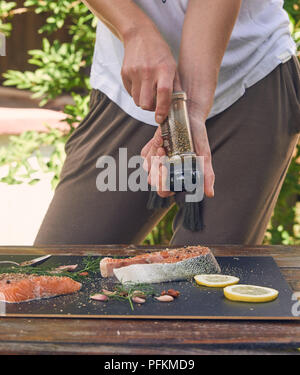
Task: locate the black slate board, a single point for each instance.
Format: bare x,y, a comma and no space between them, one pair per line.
195,302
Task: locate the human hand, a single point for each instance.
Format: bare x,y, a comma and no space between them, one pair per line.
202,148
157,172
153,154
148,71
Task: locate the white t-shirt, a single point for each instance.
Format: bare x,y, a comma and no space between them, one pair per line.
259,42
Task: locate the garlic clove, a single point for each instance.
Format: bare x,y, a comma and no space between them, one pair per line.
138,300
108,292
174,293
165,298
138,293
99,297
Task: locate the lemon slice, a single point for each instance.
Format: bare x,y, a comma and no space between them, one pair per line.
250,293
217,280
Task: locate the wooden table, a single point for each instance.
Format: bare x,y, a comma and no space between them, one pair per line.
169,337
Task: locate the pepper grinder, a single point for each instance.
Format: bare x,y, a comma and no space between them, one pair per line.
178,144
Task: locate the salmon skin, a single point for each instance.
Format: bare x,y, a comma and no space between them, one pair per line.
161,266
21,287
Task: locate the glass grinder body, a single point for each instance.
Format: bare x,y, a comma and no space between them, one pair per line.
178,144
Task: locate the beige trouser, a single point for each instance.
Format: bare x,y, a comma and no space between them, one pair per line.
251,143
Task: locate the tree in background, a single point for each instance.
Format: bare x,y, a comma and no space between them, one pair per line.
62,68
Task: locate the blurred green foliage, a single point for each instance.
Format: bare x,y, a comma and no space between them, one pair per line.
285,222
60,68
6,13
63,68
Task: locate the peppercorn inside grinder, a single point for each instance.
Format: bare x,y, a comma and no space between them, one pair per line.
181,160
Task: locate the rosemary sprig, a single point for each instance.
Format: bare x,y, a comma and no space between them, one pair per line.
125,292
90,265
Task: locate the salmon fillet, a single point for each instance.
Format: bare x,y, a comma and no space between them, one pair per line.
160,266
21,287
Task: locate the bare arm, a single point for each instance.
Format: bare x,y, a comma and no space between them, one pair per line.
149,68
207,27
122,17
206,31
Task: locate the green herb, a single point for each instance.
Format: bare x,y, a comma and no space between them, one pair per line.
89,264
125,292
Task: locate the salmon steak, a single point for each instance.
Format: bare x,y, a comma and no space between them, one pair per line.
161,266
21,287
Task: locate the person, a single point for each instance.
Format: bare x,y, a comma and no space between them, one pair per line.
236,62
